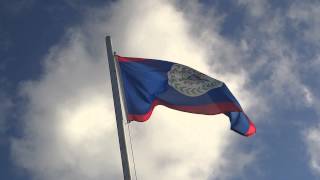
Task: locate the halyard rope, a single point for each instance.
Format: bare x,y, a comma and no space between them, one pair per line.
134,164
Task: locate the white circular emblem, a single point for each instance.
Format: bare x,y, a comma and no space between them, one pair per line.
190,82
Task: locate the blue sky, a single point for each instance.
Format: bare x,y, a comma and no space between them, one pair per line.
53,79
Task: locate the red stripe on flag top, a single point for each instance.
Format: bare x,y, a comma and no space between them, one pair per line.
127,59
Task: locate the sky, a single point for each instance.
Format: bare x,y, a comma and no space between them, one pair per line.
56,112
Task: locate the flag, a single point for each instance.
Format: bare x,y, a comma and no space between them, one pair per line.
148,83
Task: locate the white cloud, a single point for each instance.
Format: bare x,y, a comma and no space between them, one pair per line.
256,8
313,145
304,16
240,161
271,57
69,125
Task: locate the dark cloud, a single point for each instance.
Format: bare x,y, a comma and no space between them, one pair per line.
16,7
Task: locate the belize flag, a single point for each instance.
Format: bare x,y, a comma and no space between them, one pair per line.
148,83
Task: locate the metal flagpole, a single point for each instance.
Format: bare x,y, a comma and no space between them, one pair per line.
118,111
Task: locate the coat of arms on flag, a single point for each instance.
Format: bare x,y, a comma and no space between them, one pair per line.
189,81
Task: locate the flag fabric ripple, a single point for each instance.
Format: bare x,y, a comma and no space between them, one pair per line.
148,83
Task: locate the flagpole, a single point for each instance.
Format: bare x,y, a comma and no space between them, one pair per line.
118,110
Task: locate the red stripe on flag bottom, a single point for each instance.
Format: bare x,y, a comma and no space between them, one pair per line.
209,109
252,129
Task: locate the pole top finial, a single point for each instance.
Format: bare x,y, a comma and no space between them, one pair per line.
108,36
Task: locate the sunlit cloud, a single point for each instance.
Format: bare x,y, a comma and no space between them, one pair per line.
70,129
